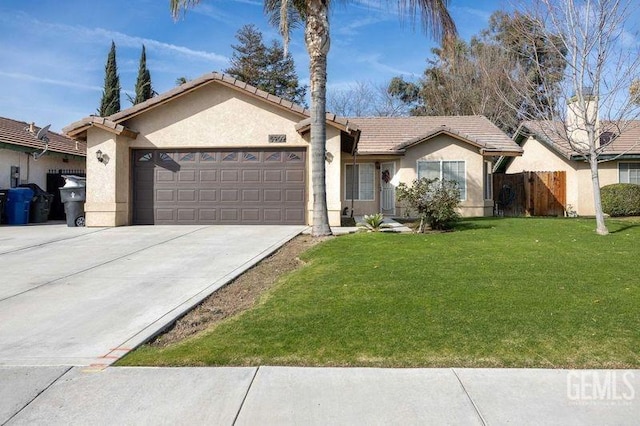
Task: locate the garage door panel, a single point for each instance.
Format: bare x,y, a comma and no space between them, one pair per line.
229,195
208,176
187,176
165,195
272,215
208,195
207,215
186,215
229,215
165,176
249,195
293,215
273,195
187,195
250,176
294,195
165,214
273,176
294,176
219,187
229,175
251,215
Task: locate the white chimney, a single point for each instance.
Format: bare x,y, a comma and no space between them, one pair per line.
582,112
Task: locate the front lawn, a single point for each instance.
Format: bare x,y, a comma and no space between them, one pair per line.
496,293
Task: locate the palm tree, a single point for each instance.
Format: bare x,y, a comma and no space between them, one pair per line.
314,14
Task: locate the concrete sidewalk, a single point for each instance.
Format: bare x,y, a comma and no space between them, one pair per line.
318,396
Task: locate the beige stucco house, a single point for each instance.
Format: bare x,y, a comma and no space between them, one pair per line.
216,150
26,159
546,151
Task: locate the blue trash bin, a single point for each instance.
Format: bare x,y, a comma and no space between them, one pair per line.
18,203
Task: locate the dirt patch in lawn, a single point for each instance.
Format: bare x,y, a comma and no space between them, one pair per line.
240,294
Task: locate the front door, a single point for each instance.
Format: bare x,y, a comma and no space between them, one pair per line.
387,189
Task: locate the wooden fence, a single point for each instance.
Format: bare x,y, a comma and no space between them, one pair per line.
530,193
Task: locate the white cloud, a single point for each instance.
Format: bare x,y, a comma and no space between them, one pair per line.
44,80
354,25
373,60
79,32
482,14
133,41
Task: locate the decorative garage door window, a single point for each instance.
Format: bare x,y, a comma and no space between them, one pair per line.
207,156
231,156
274,156
220,187
294,157
250,156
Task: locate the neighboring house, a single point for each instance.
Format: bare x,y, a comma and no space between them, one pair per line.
546,151
216,150
21,161
400,149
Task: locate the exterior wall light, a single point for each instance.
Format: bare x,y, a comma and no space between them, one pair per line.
100,156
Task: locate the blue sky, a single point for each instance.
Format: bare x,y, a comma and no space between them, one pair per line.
53,52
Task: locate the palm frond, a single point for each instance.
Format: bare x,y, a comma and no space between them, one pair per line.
434,17
180,6
286,15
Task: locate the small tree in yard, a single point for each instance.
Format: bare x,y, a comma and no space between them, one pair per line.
593,101
433,200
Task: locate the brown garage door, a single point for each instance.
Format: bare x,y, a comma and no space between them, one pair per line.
219,186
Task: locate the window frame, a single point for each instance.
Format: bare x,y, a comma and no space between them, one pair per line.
636,165
359,190
463,195
487,176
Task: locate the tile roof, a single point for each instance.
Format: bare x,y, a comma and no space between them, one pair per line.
627,140
13,132
395,134
79,126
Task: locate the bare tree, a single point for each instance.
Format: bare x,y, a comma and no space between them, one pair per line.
593,102
365,99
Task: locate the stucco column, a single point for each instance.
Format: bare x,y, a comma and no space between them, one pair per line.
107,181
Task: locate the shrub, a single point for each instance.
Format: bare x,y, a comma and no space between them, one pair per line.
373,222
621,199
435,202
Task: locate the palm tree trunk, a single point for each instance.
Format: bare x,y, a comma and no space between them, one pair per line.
317,41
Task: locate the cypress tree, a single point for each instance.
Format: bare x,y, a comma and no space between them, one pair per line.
144,90
110,103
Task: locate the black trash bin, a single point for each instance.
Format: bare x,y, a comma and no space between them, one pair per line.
40,204
73,195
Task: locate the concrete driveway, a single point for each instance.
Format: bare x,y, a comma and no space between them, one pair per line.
86,296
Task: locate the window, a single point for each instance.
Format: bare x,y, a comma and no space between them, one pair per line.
445,170
488,181
359,185
629,173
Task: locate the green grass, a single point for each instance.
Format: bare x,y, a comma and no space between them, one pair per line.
496,293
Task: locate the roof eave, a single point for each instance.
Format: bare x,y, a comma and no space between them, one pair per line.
79,129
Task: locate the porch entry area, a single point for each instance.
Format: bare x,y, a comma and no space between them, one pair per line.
387,189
